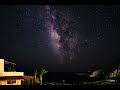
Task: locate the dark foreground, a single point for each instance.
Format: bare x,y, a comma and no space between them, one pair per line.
70,78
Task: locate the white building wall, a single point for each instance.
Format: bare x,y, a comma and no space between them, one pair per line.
1,66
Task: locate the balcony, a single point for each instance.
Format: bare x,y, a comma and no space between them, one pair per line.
13,74
9,66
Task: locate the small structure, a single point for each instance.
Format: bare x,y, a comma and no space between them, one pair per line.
8,75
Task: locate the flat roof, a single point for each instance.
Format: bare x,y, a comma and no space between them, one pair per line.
15,77
8,62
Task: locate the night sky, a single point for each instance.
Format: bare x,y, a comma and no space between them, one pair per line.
60,38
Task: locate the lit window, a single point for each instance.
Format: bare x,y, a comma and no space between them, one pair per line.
8,82
11,82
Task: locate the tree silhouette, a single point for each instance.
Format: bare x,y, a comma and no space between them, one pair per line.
35,75
115,73
42,72
36,80
96,73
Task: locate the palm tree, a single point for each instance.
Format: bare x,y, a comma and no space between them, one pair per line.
35,75
115,73
118,72
96,73
42,72
36,80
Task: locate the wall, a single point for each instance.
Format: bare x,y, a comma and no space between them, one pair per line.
1,66
2,73
18,82
13,74
0,82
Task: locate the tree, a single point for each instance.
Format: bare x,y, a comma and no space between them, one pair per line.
35,75
96,73
115,73
36,80
42,72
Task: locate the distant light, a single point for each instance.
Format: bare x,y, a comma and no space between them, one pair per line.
110,80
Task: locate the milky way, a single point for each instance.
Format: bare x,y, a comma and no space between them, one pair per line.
67,31
81,37
63,39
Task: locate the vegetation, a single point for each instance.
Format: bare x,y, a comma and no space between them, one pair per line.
27,82
95,83
97,73
57,83
42,72
115,73
35,80
35,75
81,83
38,78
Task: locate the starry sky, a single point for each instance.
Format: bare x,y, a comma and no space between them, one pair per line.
60,38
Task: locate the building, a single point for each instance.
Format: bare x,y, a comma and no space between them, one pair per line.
8,75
